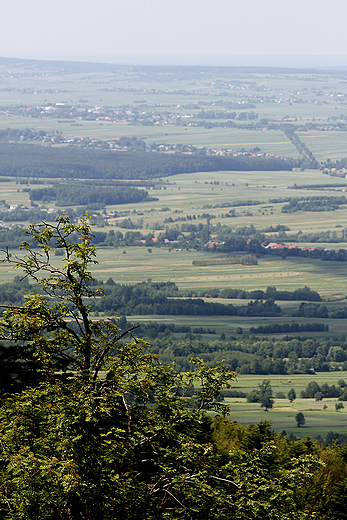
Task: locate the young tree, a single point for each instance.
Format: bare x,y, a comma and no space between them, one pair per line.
59,326
291,395
265,392
300,419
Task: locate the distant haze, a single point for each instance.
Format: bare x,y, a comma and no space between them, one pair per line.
294,33
290,61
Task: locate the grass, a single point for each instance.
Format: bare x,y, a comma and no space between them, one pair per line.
137,265
323,144
282,415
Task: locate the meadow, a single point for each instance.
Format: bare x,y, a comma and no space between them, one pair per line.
319,421
137,265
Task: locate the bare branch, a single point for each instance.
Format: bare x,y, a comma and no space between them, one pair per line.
224,480
176,499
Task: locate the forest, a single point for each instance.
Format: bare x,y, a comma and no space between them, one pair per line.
87,195
23,160
245,354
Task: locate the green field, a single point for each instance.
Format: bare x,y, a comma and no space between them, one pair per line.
137,265
321,143
282,415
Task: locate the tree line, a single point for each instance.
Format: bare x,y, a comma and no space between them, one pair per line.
254,355
280,328
317,203
165,298
318,392
140,299
303,293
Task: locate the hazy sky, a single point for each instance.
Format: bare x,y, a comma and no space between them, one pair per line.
315,27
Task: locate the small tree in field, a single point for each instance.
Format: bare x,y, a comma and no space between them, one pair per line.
291,395
300,419
265,392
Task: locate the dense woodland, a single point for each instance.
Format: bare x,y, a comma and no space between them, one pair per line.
87,195
73,162
164,298
252,355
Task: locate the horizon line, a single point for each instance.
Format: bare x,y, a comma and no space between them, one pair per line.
170,59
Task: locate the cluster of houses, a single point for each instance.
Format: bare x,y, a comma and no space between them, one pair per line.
274,245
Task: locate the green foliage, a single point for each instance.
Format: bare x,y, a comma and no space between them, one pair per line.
265,394
311,310
249,260
300,419
150,298
303,293
264,459
269,489
124,447
314,390
47,324
291,395
253,397
117,438
85,194
314,204
78,163
277,328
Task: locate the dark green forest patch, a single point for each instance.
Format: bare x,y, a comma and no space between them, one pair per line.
65,194
72,162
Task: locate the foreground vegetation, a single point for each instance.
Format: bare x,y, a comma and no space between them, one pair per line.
104,430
